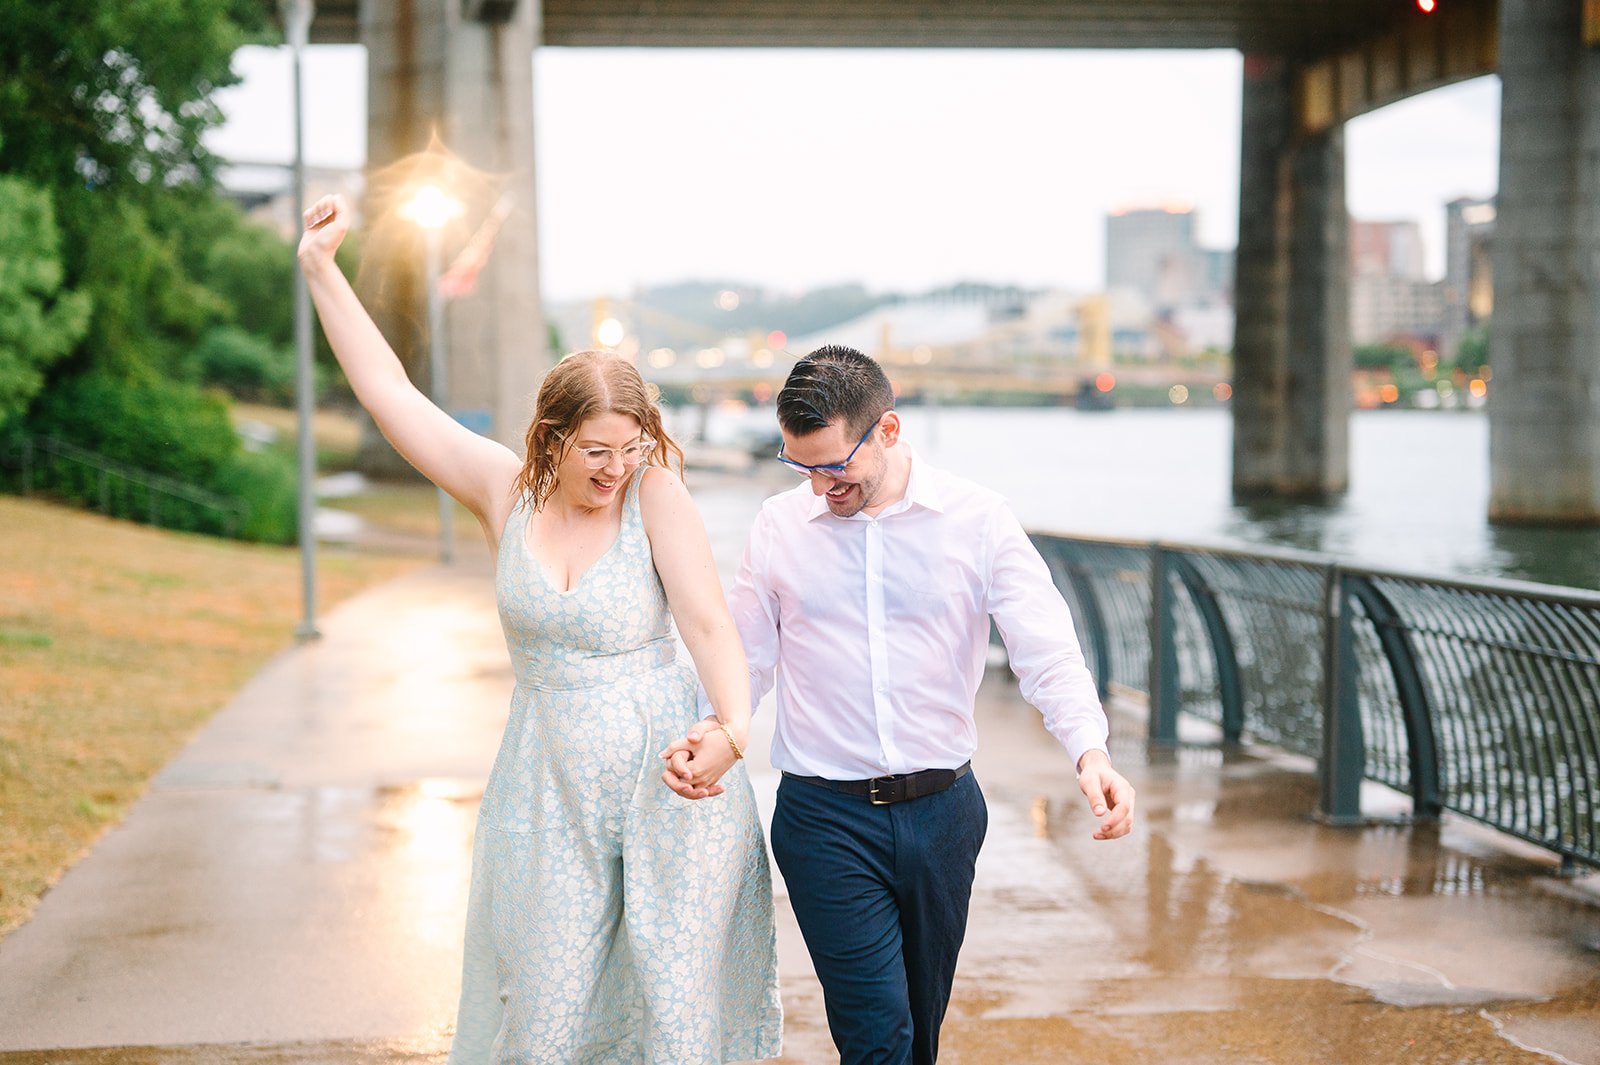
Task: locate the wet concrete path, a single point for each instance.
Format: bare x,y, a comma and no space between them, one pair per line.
292,890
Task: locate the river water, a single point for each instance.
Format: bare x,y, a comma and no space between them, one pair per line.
1419,486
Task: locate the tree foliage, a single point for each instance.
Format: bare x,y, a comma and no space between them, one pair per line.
40,321
1395,358
116,94
103,104
135,280
1472,354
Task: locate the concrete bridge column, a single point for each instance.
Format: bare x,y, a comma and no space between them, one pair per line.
1544,401
462,71
1291,389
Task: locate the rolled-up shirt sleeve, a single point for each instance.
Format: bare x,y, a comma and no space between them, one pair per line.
1036,625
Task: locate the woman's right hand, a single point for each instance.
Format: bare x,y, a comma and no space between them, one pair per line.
327,221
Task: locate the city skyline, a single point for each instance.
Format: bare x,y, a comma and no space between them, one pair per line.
901,170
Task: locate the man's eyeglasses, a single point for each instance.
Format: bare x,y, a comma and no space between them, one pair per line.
598,458
830,469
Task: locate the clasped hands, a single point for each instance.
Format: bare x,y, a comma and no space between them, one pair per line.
697,761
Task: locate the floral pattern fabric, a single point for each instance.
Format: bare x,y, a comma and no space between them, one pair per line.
610,922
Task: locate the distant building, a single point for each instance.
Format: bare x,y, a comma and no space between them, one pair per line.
1152,251
1169,296
1390,249
265,191
1217,273
1390,296
1384,307
1468,287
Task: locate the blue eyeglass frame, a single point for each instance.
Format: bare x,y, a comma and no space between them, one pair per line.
829,468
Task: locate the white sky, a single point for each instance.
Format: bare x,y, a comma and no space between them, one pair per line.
901,169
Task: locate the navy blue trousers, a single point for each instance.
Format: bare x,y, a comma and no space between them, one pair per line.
881,894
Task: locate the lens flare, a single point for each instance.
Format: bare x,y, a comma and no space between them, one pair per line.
434,188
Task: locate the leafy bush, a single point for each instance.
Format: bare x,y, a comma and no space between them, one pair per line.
252,269
266,480
157,425
246,366
173,430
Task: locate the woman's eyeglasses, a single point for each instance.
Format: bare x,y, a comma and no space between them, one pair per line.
598,458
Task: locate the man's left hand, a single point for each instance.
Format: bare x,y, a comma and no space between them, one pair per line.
1109,793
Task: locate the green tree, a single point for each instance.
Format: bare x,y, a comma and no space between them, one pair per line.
149,312
103,103
1392,357
40,321
116,94
1472,354
252,269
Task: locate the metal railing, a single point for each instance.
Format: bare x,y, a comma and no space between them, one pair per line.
115,489
1474,696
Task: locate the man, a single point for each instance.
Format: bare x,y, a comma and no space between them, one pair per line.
867,601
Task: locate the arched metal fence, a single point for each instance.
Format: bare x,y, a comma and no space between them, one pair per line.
1478,697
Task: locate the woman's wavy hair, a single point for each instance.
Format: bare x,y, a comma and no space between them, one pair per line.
579,387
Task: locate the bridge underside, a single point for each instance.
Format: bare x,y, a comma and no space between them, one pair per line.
462,67
1299,29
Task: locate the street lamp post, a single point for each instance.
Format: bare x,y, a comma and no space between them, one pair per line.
296,16
430,207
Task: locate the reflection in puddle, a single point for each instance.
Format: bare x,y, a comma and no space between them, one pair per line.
1039,813
434,821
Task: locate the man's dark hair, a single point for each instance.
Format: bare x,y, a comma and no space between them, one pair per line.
831,383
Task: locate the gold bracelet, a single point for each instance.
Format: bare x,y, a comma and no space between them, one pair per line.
728,732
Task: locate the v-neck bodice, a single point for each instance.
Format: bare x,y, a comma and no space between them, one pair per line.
612,623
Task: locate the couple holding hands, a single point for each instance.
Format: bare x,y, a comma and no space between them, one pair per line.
621,904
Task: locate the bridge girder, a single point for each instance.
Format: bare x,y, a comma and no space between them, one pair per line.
1303,30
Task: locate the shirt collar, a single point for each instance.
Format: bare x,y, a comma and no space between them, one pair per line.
922,490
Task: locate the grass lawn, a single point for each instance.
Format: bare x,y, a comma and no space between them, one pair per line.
410,508
117,641
335,434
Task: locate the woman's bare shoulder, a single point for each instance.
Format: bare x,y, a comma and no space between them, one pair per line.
663,497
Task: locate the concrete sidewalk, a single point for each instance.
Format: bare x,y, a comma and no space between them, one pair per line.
292,889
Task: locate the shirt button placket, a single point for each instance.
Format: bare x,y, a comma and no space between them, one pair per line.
878,647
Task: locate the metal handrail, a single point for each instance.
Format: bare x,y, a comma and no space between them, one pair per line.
23,450
1477,696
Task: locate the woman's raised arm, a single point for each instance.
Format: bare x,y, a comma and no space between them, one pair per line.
474,469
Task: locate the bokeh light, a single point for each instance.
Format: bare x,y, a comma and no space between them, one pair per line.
609,333
431,207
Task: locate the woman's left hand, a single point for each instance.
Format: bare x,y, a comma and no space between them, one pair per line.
696,762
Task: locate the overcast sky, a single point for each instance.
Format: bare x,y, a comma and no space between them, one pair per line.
901,169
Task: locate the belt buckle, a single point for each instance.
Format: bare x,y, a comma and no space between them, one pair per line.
872,790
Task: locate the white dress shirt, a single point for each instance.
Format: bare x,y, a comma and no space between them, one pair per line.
876,629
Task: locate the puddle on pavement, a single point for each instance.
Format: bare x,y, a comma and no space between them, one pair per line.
1234,928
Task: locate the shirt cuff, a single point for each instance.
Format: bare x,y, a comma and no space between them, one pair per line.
1077,751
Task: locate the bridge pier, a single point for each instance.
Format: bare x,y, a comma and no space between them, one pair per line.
1544,401
463,71
1291,389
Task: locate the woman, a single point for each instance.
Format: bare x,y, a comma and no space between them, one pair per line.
610,920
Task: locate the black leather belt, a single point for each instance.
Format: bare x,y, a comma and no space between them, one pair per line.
881,791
